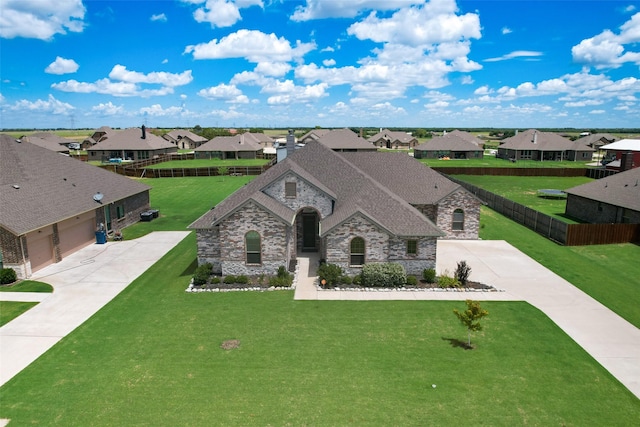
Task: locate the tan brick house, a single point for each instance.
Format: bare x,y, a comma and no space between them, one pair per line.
350,207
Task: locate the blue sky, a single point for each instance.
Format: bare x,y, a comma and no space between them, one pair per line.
329,63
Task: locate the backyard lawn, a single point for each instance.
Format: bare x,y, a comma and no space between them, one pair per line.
208,163
493,162
524,190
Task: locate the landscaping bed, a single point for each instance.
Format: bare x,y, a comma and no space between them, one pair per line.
421,285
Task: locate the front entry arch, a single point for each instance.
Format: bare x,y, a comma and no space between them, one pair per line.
307,230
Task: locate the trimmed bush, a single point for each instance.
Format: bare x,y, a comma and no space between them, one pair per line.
8,275
345,280
462,272
230,279
412,280
330,273
386,275
447,281
202,273
242,279
215,280
429,275
357,280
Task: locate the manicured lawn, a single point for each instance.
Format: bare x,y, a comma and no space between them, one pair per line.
208,163
183,200
524,190
27,286
152,357
9,310
608,273
492,161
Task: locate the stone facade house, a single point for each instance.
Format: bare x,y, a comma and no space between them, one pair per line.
130,144
49,208
184,139
614,199
393,140
453,145
543,146
350,207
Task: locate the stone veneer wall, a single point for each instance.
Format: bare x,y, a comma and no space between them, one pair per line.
12,256
414,264
208,244
460,199
274,238
338,243
307,195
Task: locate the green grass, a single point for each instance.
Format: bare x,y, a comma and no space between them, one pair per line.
208,163
524,190
493,162
608,273
183,200
9,310
152,357
27,286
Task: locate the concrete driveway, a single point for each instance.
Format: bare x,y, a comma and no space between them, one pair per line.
607,337
83,283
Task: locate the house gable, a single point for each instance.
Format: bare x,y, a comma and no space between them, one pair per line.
306,194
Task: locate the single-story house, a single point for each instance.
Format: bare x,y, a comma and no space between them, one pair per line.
345,140
452,145
393,139
622,155
260,138
614,199
52,205
313,136
352,208
98,135
130,144
230,147
597,140
184,139
49,141
543,146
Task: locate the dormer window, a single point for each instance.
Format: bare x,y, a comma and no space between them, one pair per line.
290,190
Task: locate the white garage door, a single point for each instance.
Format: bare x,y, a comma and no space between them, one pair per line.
40,248
76,233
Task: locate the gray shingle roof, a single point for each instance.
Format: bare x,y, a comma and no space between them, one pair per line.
597,139
131,139
621,189
354,186
52,187
49,144
345,139
533,139
450,142
392,136
230,144
177,134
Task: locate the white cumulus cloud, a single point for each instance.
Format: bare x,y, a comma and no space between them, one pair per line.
108,109
320,9
161,17
62,66
221,13
228,93
50,105
40,19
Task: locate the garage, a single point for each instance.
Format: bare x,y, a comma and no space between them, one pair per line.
76,233
40,248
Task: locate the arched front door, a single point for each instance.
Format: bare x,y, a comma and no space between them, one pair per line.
308,229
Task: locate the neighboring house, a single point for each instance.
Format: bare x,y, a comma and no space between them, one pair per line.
345,140
453,145
622,155
98,135
260,138
313,136
543,146
230,147
184,139
48,210
393,139
49,141
597,140
351,208
614,199
130,144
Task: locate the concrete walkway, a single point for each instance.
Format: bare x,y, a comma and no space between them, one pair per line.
83,283
608,338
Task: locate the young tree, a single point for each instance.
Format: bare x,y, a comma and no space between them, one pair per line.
471,317
222,171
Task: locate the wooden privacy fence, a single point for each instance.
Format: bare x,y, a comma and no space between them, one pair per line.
552,228
562,172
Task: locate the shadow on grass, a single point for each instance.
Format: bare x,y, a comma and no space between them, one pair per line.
191,268
458,343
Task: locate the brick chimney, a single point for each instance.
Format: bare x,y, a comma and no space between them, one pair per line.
291,142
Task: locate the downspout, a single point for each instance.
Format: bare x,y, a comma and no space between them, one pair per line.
24,259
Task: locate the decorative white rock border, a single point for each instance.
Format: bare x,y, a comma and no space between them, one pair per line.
194,289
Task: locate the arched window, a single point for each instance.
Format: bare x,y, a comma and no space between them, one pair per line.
357,251
253,248
458,220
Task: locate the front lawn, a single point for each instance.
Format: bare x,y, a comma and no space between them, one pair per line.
524,190
208,163
9,310
153,356
27,286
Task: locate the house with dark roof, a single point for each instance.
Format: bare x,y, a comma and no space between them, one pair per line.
614,199
622,155
184,139
130,144
98,135
345,140
452,145
313,136
52,205
352,208
597,140
241,146
393,140
543,146
49,141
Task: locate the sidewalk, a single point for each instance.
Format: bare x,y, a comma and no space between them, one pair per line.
608,338
83,283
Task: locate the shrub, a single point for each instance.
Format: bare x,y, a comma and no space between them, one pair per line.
281,282
330,273
387,275
282,272
412,280
230,279
462,272
215,280
447,281
8,275
357,280
242,279
202,273
429,275
345,280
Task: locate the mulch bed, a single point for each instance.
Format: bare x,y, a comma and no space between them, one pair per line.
420,285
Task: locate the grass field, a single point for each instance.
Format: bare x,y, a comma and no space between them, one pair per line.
493,162
9,310
524,190
152,357
208,163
